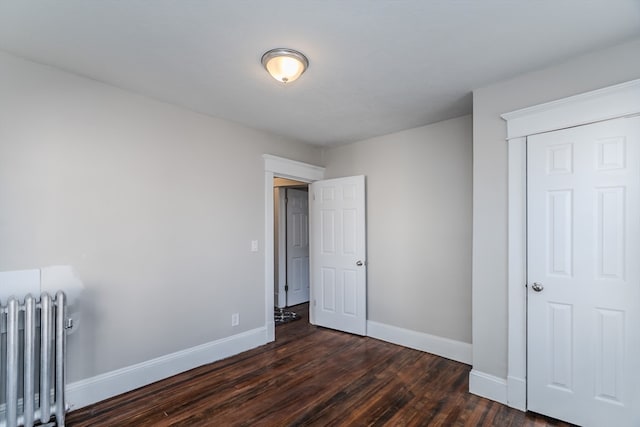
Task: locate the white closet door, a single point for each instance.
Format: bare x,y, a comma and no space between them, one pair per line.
583,203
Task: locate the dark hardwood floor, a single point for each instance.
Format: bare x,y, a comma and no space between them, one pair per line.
312,376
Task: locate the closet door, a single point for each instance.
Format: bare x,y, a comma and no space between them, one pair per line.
583,234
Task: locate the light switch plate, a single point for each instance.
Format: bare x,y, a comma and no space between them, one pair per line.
254,246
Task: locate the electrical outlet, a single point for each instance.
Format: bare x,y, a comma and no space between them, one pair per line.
235,319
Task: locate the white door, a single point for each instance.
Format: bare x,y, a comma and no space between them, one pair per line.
297,287
338,254
583,202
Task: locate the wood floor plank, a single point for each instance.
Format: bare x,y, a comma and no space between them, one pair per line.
312,376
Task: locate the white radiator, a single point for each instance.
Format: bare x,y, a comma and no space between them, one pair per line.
32,349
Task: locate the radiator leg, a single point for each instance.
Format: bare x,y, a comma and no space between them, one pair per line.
45,357
61,338
12,363
29,358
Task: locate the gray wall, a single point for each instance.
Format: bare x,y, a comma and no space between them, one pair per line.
418,225
134,194
578,75
131,193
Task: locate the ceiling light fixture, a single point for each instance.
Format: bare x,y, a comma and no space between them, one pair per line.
285,65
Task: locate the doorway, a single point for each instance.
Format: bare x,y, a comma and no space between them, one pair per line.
284,168
291,242
337,252
323,228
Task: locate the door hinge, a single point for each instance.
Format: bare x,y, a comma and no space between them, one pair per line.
286,288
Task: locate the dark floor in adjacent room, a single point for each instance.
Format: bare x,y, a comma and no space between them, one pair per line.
311,376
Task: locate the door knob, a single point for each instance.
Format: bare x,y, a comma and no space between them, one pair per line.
359,263
537,286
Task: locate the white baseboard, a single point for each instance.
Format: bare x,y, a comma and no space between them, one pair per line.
271,330
488,386
451,349
91,390
517,393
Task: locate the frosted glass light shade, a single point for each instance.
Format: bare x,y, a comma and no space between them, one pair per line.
285,65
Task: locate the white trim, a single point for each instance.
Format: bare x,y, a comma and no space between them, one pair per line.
620,100
91,390
269,269
451,349
285,168
517,267
292,169
603,104
517,393
489,386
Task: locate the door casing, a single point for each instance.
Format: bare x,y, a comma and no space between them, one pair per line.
603,104
284,168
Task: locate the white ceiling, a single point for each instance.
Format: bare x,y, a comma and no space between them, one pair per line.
375,66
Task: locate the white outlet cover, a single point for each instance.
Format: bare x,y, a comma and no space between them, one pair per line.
254,246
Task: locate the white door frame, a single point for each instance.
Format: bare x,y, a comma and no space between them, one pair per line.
284,168
602,104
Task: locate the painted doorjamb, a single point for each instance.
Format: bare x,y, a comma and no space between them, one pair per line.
284,168
598,105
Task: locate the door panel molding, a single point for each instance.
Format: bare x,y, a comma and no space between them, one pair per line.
602,104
